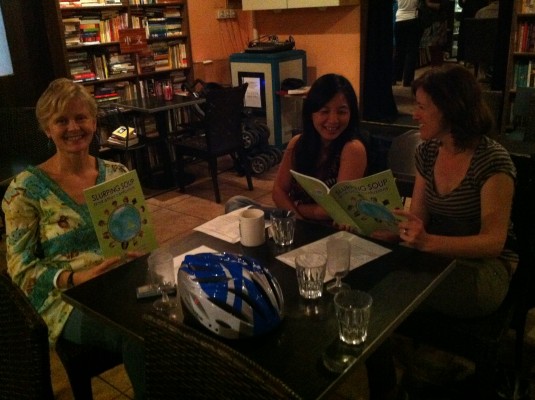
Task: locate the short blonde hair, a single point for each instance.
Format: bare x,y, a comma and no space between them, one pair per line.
57,95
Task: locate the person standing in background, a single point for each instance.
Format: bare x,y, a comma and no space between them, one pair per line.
407,34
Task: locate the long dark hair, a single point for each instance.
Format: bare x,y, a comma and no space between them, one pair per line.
456,93
308,148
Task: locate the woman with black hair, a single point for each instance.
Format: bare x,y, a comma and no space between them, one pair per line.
330,148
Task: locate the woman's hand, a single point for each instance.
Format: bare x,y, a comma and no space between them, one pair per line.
109,263
411,229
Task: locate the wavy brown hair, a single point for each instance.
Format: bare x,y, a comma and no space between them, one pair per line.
456,93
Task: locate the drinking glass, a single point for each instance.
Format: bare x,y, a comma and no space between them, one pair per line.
310,270
338,258
162,275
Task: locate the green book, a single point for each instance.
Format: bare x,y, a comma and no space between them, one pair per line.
120,216
365,204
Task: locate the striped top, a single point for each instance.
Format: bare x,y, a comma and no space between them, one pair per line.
458,213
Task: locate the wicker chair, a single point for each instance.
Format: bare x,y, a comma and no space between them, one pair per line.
24,353
181,361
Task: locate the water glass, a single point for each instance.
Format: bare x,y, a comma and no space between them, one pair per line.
353,314
310,269
162,275
282,227
338,260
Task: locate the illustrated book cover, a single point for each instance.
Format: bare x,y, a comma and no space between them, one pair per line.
365,204
120,216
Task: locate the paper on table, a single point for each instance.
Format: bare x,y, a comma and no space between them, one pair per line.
362,251
225,227
177,261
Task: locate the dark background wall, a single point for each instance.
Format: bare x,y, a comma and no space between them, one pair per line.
35,62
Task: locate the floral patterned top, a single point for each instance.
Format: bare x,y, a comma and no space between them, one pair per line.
48,232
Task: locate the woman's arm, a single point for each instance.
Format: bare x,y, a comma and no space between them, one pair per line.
283,179
22,229
496,201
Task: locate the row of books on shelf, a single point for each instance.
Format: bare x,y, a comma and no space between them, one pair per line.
169,55
87,3
95,27
524,73
109,62
159,22
102,26
110,92
87,66
525,39
143,2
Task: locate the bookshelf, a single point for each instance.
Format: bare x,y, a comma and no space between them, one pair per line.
99,39
123,50
521,62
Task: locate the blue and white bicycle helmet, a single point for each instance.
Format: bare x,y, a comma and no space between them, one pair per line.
231,295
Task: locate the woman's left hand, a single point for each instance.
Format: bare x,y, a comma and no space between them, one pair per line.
411,229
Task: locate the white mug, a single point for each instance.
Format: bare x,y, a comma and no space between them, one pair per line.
252,227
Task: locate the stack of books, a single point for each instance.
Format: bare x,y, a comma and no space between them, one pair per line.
122,136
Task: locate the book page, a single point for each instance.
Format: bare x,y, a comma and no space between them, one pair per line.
362,251
320,193
370,201
120,216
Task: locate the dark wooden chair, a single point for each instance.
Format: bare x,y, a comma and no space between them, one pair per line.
24,352
480,38
479,339
218,134
182,361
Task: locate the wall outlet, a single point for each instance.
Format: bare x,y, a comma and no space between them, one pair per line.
225,13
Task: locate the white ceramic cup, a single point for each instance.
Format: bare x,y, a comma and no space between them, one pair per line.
252,227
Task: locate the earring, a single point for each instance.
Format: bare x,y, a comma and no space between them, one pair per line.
49,144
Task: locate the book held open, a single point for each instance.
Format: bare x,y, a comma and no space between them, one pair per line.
365,204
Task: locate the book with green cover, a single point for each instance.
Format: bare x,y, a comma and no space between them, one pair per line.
365,204
120,216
